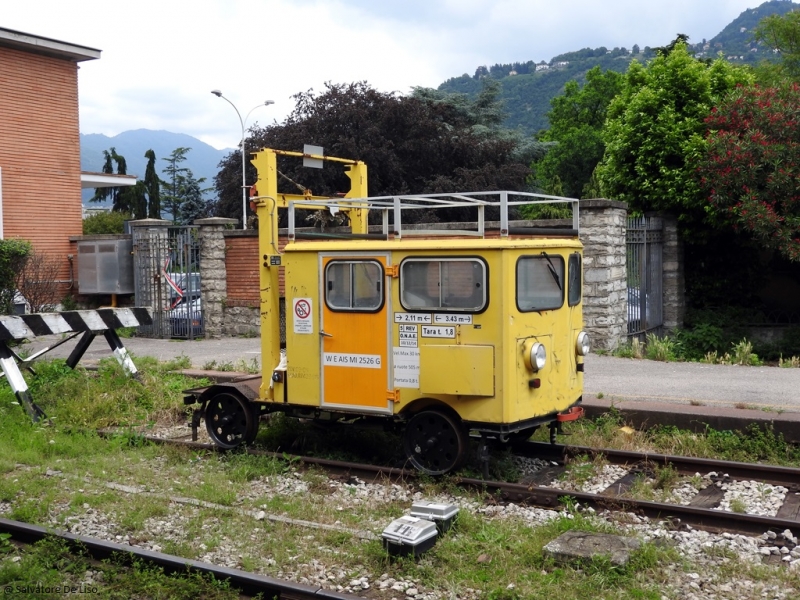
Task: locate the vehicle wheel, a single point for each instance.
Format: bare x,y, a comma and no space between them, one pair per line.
435,442
231,421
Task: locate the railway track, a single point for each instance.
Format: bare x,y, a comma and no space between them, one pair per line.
542,487
248,584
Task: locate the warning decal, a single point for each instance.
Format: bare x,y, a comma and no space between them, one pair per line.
301,313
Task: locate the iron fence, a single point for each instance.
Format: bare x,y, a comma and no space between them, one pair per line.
167,278
644,248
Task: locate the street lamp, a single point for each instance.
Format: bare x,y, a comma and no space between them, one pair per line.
242,122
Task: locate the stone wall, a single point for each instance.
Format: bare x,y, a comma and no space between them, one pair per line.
605,305
213,276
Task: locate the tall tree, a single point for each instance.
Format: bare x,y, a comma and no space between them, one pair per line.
781,33
173,184
424,142
123,198
192,205
152,185
655,130
576,125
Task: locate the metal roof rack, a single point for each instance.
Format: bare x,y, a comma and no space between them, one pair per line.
395,205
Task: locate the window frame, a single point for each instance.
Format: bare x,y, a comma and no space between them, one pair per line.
354,309
441,259
543,257
576,255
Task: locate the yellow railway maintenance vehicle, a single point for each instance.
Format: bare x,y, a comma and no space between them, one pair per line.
440,333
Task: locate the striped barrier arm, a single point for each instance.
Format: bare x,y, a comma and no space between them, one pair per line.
87,323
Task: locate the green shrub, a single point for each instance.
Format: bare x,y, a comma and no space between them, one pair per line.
664,349
105,222
14,254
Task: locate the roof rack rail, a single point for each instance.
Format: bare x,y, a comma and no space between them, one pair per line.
394,206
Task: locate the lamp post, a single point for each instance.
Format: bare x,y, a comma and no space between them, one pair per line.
242,122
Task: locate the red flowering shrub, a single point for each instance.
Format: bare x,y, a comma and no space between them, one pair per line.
751,171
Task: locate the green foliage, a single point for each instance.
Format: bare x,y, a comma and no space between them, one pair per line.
756,443
663,349
105,222
751,171
654,132
152,184
14,254
782,33
179,188
427,142
576,123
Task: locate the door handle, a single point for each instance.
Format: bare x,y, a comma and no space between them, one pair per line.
323,334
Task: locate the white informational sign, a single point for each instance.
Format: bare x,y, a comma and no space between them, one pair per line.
450,319
301,315
412,318
344,359
406,367
438,332
408,336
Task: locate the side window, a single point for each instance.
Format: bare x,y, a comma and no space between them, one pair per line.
540,282
574,283
354,285
457,284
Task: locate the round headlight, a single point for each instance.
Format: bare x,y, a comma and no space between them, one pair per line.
538,356
582,345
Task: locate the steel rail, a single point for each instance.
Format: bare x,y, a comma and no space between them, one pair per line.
701,518
776,475
251,584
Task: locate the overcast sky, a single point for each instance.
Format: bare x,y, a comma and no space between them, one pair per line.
161,59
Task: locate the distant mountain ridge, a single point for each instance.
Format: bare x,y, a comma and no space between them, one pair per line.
528,87
203,159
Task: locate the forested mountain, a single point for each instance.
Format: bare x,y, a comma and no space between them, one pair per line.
528,87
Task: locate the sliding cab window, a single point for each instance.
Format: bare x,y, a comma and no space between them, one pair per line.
574,279
540,282
354,285
443,284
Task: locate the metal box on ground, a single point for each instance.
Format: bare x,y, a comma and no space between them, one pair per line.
442,514
409,536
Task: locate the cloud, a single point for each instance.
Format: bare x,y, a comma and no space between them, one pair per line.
161,59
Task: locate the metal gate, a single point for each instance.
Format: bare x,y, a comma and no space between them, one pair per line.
644,245
167,278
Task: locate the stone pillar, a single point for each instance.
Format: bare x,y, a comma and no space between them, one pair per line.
605,305
213,273
150,250
673,282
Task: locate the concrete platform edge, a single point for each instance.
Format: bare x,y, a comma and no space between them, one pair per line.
642,415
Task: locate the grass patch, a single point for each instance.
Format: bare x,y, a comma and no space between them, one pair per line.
52,567
52,475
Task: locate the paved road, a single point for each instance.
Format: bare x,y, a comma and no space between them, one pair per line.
619,379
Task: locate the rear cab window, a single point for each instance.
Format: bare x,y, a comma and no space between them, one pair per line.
354,285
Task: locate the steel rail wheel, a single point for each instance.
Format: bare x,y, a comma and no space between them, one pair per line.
435,442
230,420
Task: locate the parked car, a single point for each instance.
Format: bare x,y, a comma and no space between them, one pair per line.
186,318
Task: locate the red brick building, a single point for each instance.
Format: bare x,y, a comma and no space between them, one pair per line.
40,170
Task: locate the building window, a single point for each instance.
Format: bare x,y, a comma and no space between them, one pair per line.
354,285
446,284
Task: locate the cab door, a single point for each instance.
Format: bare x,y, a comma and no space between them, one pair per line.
355,332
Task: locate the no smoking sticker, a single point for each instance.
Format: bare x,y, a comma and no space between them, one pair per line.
301,313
